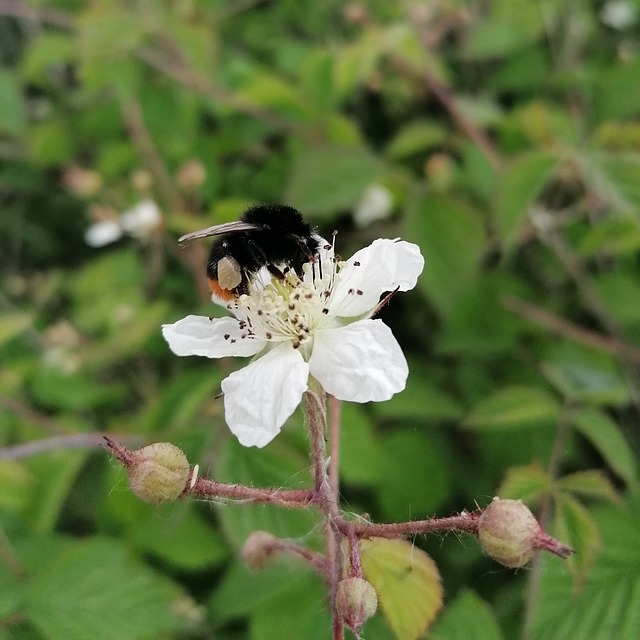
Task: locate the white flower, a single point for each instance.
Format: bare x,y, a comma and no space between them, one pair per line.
375,204
618,14
318,324
139,222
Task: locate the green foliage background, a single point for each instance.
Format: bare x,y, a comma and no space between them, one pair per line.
507,132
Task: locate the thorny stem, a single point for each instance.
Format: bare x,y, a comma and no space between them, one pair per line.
316,410
325,495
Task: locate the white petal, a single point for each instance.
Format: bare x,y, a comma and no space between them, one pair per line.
360,362
259,398
102,233
375,204
383,266
141,218
213,338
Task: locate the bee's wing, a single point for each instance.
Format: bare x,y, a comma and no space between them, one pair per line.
217,230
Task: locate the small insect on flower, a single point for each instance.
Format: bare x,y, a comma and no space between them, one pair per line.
270,235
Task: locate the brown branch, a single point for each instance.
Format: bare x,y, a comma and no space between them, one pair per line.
567,329
142,141
52,17
56,443
204,489
473,132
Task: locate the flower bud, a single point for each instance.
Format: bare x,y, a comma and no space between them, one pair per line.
509,532
191,175
259,549
356,602
158,473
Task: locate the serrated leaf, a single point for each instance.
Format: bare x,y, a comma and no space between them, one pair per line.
527,483
95,590
513,407
407,582
608,605
468,617
591,484
518,188
604,434
574,526
325,180
451,236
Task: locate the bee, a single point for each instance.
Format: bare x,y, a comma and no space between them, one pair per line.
275,236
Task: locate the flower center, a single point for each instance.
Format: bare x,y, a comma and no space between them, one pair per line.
289,309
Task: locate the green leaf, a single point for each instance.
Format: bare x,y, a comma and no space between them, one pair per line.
325,180
95,590
527,483
605,435
269,91
583,375
243,591
590,484
415,137
298,612
575,526
519,186
13,324
510,26
420,399
407,582
279,465
451,236
615,97
56,472
615,177
184,540
12,108
468,617
615,234
74,392
608,604
413,477
513,407
359,446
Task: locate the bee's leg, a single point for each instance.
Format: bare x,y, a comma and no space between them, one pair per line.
275,272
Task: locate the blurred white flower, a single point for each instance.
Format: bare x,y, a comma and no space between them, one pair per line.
618,14
139,221
375,204
318,324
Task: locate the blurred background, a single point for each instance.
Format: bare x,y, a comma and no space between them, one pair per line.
502,136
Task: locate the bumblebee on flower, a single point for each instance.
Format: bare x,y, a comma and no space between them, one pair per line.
311,318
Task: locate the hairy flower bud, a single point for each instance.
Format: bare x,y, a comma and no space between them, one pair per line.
509,532
158,473
356,602
259,549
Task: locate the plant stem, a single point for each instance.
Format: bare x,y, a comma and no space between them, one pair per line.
326,495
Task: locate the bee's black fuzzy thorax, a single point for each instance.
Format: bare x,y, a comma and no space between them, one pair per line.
281,238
